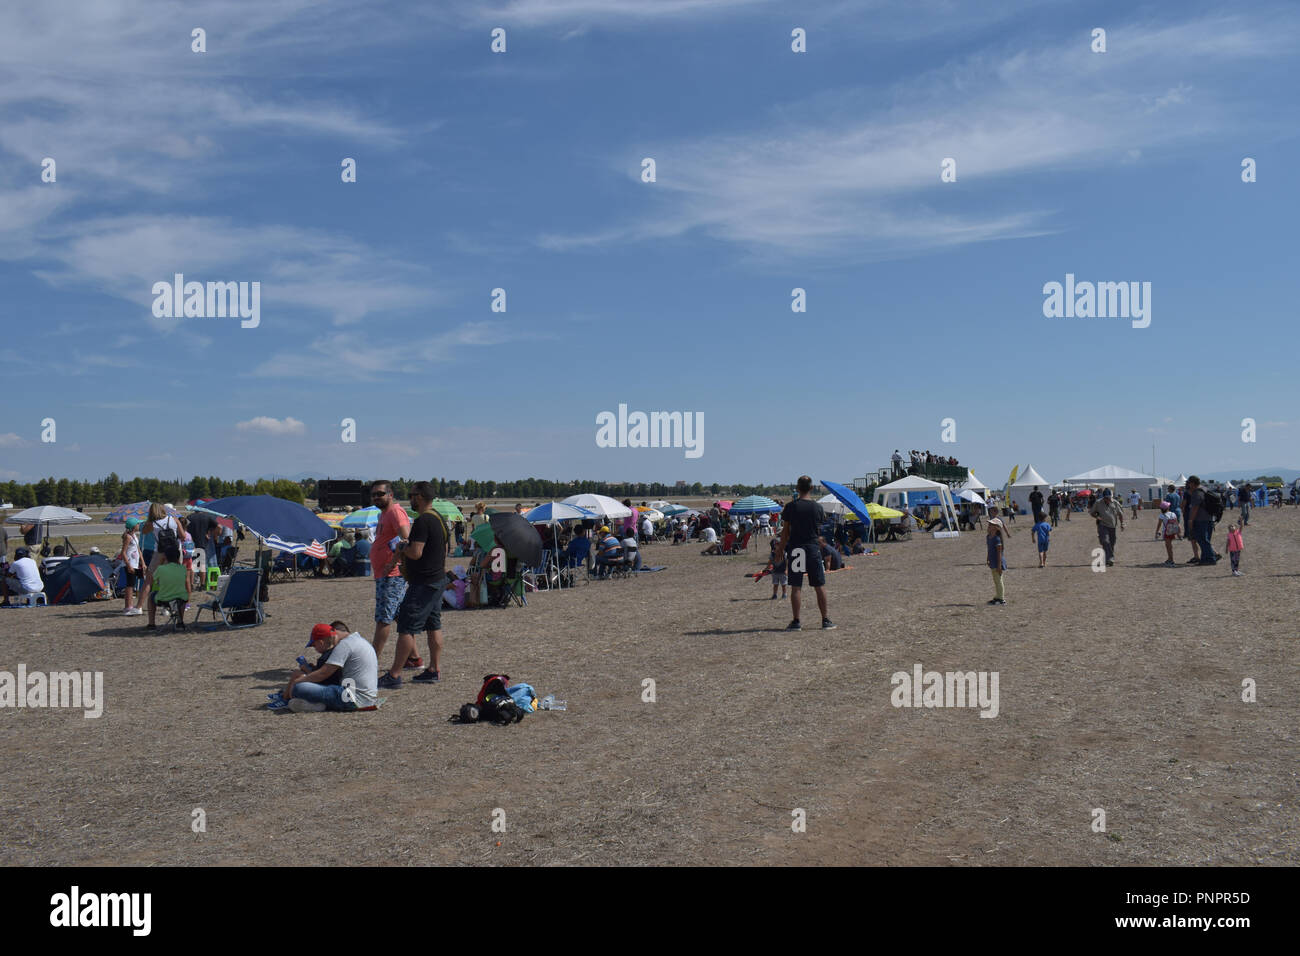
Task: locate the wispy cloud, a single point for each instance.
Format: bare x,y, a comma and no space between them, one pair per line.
373,357
841,176
273,426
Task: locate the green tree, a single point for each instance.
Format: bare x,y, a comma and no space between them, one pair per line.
197,488
288,490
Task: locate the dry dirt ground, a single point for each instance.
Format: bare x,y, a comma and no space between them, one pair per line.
1120,691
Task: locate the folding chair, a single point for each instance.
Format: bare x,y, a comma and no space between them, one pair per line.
240,595
739,546
542,570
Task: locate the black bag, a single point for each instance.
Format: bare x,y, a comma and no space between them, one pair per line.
1213,505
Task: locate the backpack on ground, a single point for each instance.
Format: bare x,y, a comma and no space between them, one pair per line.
494,703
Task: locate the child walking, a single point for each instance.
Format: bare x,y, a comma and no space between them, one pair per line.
1235,547
778,568
1043,531
1168,528
996,561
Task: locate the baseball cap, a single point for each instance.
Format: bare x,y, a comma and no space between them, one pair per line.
133,522
604,528
320,632
21,553
1164,506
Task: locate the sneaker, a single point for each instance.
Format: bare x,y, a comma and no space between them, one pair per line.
773,597
827,625
413,664
300,706
426,676
151,627
999,601
132,612
992,601
1170,564
1236,574
276,696
388,682
276,704
794,626
1194,561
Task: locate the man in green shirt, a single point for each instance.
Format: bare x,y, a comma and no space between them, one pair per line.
170,583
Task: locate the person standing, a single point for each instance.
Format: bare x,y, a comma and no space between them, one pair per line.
1243,500
422,553
134,566
1054,508
1167,529
1036,504
800,521
1235,547
897,461
1108,515
390,586
1134,501
995,542
1202,522
1043,533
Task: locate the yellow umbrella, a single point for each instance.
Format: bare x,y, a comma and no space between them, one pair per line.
880,511
332,520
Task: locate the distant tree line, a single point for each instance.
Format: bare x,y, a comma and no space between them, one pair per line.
114,490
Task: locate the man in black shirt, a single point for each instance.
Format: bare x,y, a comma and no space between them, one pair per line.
423,556
800,521
1036,504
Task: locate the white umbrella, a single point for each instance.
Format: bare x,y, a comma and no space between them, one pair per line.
602,505
660,505
654,514
967,495
47,514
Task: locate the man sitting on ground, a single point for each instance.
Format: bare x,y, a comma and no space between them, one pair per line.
24,577
349,654
710,537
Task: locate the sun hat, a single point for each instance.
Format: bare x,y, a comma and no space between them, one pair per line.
320,632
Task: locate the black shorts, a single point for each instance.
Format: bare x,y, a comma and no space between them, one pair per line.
421,609
811,561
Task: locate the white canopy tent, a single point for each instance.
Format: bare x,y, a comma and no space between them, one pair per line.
896,493
1024,486
1122,479
832,505
972,483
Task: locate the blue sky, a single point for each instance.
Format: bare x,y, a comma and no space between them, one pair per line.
522,171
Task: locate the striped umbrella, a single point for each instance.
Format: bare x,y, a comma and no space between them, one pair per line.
138,509
313,550
754,504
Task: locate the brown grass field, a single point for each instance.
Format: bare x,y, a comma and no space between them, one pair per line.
1120,691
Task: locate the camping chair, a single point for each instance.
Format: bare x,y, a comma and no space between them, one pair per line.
282,567
728,542
577,555
535,577
740,546
239,601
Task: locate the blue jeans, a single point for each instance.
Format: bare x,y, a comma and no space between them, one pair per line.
1106,535
330,695
1203,530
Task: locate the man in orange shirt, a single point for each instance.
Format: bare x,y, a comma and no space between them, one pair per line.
390,586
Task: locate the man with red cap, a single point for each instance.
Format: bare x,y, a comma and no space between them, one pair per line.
351,654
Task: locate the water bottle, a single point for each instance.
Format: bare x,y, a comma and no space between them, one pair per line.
302,662
550,703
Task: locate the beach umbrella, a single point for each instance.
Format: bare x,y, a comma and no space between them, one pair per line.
672,511
47,514
333,519
448,510
267,516
554,512
78,579
724,505
654,514
967,495
660,505
484,536
849,498
519,538
602,505
755,504
361,518
880,511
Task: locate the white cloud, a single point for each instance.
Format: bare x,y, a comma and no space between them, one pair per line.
273,426
11,440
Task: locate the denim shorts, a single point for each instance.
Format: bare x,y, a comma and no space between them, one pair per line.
421,609
388,597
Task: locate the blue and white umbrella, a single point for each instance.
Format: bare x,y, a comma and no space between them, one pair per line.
754,505
556,511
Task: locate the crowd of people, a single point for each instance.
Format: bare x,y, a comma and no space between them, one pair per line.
919,462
